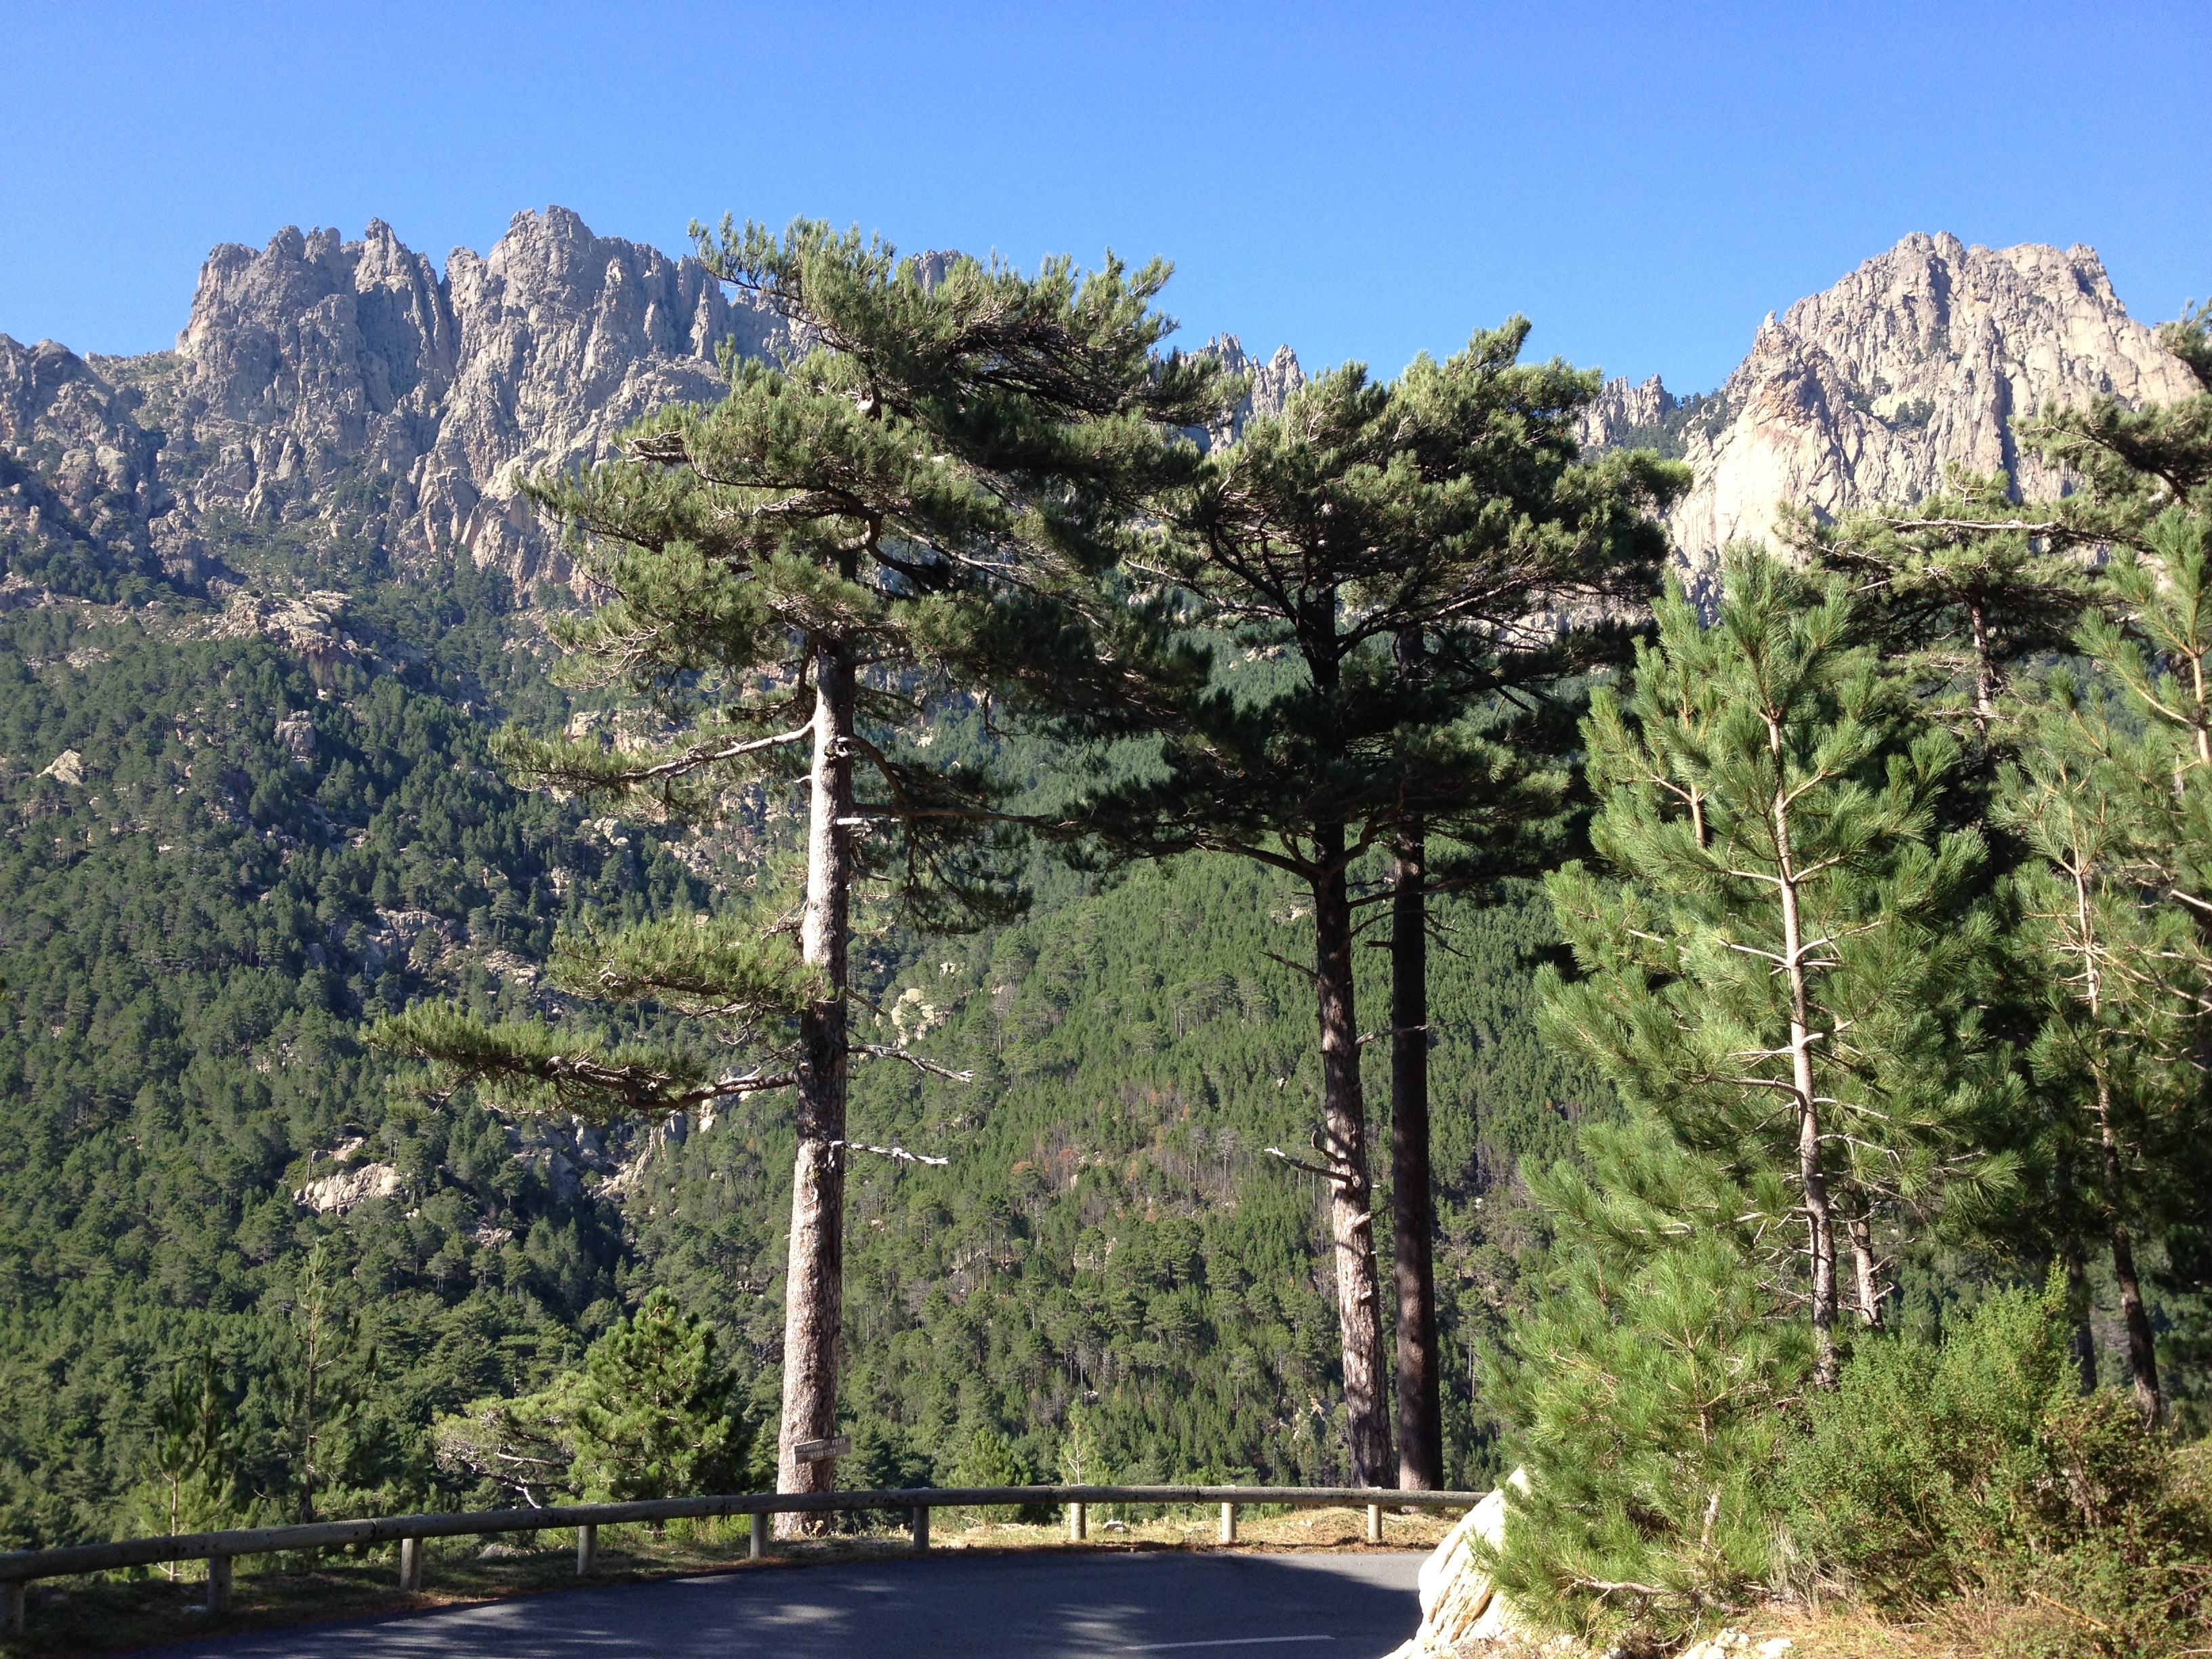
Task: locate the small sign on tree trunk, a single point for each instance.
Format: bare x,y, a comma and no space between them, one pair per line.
816,1451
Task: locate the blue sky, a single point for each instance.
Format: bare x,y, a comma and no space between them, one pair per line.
1369,181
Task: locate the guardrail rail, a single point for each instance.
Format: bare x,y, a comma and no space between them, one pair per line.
19,1568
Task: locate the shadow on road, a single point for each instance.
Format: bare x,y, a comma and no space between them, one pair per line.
1332,1607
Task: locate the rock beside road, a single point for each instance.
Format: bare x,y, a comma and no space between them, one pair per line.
1464,1617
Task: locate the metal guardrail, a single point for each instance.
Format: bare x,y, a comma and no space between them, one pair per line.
220,1549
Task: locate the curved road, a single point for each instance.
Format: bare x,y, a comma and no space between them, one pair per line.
1035,1606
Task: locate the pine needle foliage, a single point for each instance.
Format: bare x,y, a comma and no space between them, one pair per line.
1777,951
1648,1384
1960,586
917,491
656,1414
2115,793
1392,566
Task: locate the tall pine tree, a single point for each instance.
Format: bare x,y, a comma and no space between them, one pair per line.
797,572
1778,957
1648,1381
1392,565
2115,792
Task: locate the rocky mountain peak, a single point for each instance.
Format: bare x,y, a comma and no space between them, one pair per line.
319,379
1873,389
1270,383
315,360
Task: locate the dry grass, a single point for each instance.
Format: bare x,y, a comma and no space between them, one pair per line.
1968,1627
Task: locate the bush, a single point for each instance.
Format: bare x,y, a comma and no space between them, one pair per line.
1973,1470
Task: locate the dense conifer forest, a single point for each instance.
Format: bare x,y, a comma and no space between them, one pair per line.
1814,1025
197,931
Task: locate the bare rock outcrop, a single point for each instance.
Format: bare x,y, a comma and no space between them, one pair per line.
567,338
1271,384
310,359
1624,413
344,1189
319,378
76,465
1873,390
1461,1609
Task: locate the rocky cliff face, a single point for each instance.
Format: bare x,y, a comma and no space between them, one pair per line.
322,379
1272,383
75,467
317,369
1871,391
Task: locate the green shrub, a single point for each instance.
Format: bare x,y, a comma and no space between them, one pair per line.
1973,1469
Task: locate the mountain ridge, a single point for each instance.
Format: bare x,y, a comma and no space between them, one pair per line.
318,377
1872,389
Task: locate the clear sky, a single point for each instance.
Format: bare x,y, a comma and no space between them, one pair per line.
1644,181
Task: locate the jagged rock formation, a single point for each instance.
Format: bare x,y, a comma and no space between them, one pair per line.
317,371
74,465
1624,415
1271,384
1870,392
319,379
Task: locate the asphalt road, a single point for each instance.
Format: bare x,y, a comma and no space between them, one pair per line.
1035,1606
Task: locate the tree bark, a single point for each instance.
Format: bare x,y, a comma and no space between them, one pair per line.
1986,672
1868,1269
1351,1218
2073,1258
1412,1211
1819,1219
2143,1357
814,1281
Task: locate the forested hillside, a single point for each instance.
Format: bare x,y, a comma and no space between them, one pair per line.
256,849
460,1040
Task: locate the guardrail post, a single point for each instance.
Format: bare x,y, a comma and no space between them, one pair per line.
11,1607
218,1595
410,1564
921,1526
1078,1522
1228,1523
1374,1524
760,1533
588,1551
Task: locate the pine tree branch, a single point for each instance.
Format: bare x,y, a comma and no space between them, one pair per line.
1395,1031
898,1153
1311,1168
880,1051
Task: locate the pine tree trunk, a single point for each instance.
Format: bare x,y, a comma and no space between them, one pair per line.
1812,1176
1351,1218
814,1282
2142,1358
2073,1260
1421,1412
1986,672
1868,1270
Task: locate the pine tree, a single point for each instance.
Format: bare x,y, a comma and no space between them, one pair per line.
1392,562
1647,1382
2119,812
190,1481
1958,591
656,1414
898,515
1962,586
327,1377
2117,801
1780,963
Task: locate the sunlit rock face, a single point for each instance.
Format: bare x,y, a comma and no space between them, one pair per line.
316,373
350,388
1872,391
